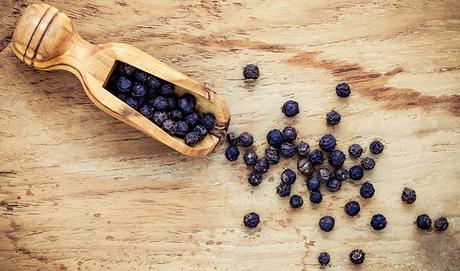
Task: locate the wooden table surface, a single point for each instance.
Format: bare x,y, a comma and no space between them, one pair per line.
80,190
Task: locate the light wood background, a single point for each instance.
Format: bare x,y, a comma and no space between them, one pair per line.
80,190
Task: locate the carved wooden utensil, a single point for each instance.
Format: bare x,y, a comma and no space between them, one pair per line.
45,39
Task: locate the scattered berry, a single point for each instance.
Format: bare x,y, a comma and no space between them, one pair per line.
289,133
336,158
275,138
441,224
424,222
251,220
305,167
408,195
324,258
357,256
251,71
333,117
296,201
352,208
283,190
324,174
341,174
316,197
288,176
368,163
261,166
343,90
272,155
313,184
303,149
376,147
232,139
367,190
316,157
378,222
356,172
250,158
231,153
246,139
290,108
327,143
287,150
355,150
254,178
326,223
333,185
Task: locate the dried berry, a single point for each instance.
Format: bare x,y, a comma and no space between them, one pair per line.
408,195
182,128
153,83
327,143
303,149
352,208
254,178
191,138
368,163
324,258
138,90
357,256
287,150
441,224
333,185
262,166
192,119
209,121
275,138
324,174
341,174
355,150
124,84
290,108
200,130
316,157
367,190
140,76
326,223
272,155
232,139
288,176
159,117
246,139
283,190
305,167
336,158
232,153
171,102
424,222
251,71
356,172
146,111
378,222
296,201
126,69
289,133
169,126
376,147
160,103
175,114
343,90
250,158
316,197
166,90
187,103
313,184
333,117
251,220
132,102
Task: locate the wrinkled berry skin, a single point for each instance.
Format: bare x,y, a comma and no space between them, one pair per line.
175,114
336,158
187,103
327,143
341,174
316,157
296,201
232,139
357,256
289,133
208,121
192,119
367,190
132,102
356,172
408,195
376,147
352,208
305,167
254,178
272,155
200,130
316,197
146,111
333,185
423,222
153,83
232,153
287,150
313,184
246,139
261,166
283,190
343,90
355,150
251,71
441,224
326,223
169,126
126,69
275,138
324,258
124,84
251,220
250,158
324,174
333,117
290,108
160,103
159,117
139,90
378,222
141,76
192,138
368,163
288,176
182,128
303,149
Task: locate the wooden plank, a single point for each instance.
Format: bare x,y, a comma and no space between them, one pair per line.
83,191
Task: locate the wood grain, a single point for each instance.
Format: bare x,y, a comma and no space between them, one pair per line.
82,191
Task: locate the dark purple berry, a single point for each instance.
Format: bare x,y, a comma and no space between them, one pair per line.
316,197
182,128
169,126
160,103
254,178
355,150
246,139
408,195
124,84
324,258
326,223
352,208
289,133
367,190
175,114
316,157
159,117
126,69
336,158
327,143
333,117
356,172
341,174
296,201
275,138
357,256
232,138
208,121
313,184
441,224
343,90
250,158
153,83
324,174
132,102
232,153
290,108
368,163
187,103
251,71
167,90
138,90
251,220
376,147
192,119
283,190
200,130
333,185
140,76
287,150
424,222
192,138
288,176
303,149
262,166
378,222
146,111
171,102
272,155
305,167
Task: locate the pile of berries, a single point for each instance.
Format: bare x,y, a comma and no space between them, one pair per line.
156,100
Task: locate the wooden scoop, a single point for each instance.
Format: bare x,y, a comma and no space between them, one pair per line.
45,39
